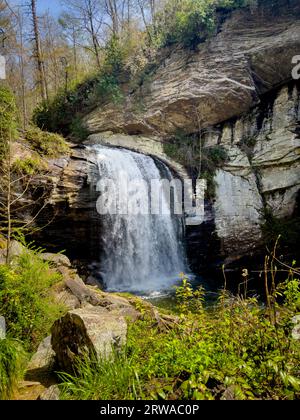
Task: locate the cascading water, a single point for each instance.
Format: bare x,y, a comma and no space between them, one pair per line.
141,252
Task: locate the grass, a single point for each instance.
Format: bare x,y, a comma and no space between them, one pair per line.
46,144
240,349
11,366
25,301
28,166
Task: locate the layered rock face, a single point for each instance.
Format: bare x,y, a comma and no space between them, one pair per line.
69,220
237,89
251,54
262,172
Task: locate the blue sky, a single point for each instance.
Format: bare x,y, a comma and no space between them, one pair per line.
53,6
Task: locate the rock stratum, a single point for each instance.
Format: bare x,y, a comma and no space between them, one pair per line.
251,54
238,89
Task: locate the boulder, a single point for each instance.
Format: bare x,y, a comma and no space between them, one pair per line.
66,298
44,358
16,249
59,260
296,329
91,331
50,394
83,293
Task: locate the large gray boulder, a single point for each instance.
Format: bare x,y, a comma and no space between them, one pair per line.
92,331
59,260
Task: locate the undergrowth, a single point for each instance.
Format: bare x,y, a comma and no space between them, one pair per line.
11,366
240,349
25,301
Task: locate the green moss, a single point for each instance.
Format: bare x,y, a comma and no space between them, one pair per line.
46,144
200,161
28,166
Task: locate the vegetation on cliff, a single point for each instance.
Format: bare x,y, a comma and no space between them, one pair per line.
128,60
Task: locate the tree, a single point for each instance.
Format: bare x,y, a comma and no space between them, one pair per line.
15,186
38,52
87,17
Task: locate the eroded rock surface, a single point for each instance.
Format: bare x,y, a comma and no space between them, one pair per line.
250,55
89,331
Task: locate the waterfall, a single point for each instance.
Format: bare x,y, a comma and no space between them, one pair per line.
141,252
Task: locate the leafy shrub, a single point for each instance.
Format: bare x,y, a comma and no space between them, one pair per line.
190,22
25,301
200,161
28,166
11,364
64,113
8,119
109,379
239,349
47,144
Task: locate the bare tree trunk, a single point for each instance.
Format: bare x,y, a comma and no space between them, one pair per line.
22,70
74,50
113,12
38,52
8,198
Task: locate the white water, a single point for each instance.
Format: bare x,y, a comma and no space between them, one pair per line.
141,253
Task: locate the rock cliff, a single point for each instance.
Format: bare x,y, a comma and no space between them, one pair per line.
237,90
250,55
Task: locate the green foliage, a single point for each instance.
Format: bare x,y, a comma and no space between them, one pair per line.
200,161
8,117
64,113
111,379
237,349
46,144
8,110
78,130
28,166
190,22
188,299
288,229
25,301
11,366
114,57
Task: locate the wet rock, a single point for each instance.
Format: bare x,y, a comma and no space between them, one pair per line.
91,331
